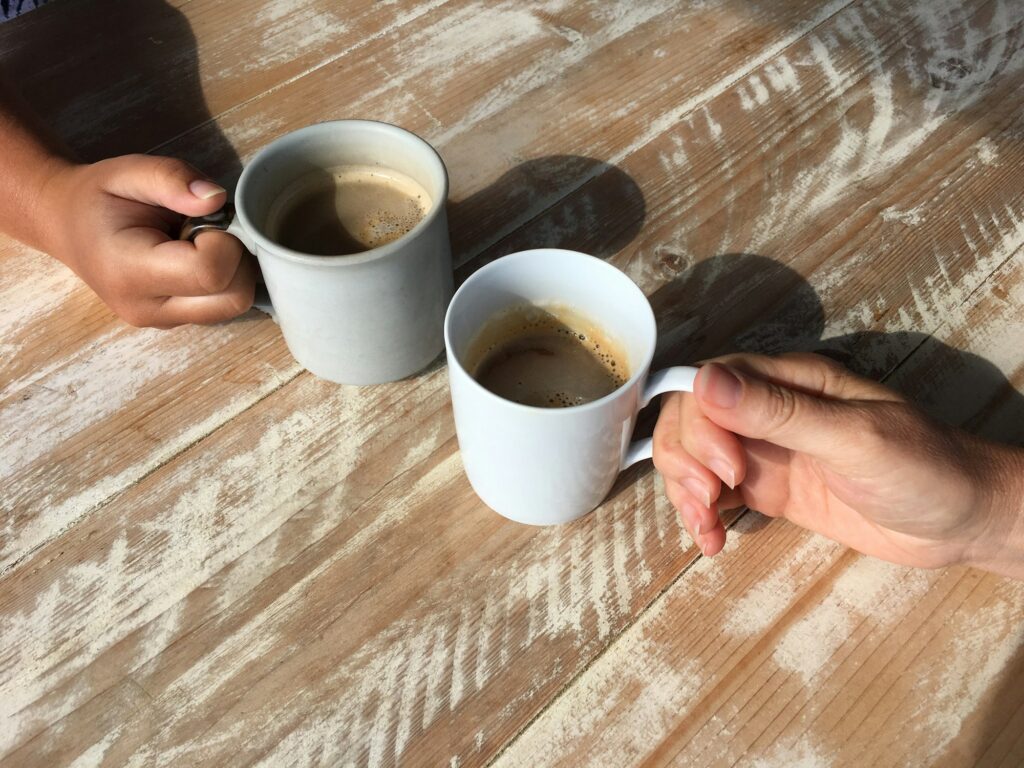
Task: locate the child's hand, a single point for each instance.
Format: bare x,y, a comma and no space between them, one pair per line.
801,437
115,223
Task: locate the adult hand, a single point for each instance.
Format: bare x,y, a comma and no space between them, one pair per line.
115,224
801,437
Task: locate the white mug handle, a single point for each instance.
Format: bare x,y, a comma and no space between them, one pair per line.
677,379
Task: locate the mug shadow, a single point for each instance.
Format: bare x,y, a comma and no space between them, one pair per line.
101,106
559,201
601,216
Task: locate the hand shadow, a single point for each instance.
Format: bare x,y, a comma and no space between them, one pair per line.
101,106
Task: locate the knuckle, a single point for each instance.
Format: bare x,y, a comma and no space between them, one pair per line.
781,408
660,458
834,375
666,454
238,305
167,168
212,276
238,302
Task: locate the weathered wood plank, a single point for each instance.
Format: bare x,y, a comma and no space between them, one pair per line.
304,622
476,218
65,360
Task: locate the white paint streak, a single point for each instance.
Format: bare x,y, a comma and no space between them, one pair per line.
868,588
581,718
768,598
988,152
93,756
758,90
803,754
910,217
781,75
108,374
289,29
32,287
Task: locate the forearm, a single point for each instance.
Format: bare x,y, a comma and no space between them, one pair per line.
29,157
1000,548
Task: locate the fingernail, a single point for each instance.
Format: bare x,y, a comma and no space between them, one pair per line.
204,189
723,469
704,549
698,489
698,529
723,388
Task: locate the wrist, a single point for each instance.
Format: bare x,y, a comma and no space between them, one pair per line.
999,545
45,201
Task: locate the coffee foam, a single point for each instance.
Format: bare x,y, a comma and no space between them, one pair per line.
546,356
383,225
347,209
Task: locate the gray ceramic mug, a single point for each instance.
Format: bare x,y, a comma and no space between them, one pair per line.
366,318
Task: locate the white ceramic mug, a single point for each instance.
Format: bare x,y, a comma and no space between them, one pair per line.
551,465
366,318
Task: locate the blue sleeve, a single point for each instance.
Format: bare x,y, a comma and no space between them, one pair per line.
11,8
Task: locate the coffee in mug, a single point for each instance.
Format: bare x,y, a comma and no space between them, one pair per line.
346,210
546,357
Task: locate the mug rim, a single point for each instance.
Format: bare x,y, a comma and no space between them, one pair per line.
373,254
590,260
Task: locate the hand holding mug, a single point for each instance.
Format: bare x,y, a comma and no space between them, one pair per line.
801,437
358,288
117,229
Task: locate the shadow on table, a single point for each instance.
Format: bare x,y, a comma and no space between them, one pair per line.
749,303
599,216
559,201
100,105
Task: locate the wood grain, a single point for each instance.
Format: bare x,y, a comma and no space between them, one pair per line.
307,577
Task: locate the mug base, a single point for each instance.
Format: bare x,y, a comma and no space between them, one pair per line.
535,517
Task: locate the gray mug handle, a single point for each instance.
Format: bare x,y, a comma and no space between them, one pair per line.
225,220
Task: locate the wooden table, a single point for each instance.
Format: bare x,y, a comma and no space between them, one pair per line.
210,557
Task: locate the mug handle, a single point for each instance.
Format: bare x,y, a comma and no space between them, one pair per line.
677,379
225,220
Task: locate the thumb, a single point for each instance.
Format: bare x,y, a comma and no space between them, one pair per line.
163,181
753,407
